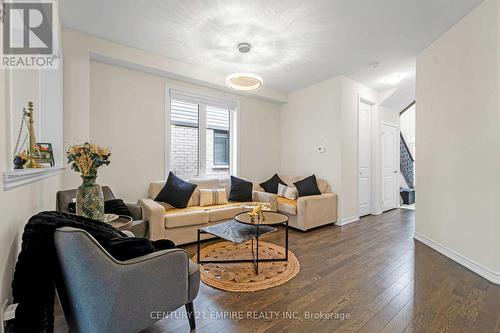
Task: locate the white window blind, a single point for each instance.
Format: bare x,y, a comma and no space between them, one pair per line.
217,119
183,114
202,140
184,96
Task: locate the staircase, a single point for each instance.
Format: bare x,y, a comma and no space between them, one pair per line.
406,163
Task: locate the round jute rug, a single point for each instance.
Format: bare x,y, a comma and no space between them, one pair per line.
241,277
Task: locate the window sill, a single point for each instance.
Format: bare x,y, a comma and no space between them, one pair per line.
16,178
220,167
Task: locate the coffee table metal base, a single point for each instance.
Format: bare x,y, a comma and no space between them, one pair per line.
237,233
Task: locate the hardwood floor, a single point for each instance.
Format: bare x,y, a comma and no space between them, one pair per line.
371,274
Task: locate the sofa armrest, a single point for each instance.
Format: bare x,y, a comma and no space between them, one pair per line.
270,198
154,213
161,278
135,211
159,281
317,209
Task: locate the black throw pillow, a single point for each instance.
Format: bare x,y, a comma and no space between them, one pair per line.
307,186
241,190
176,192
271,185
116,206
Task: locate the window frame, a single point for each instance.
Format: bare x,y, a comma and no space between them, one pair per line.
234,130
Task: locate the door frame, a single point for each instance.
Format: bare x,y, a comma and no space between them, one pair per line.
396,126
373,156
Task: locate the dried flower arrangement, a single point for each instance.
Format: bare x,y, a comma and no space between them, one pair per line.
87,158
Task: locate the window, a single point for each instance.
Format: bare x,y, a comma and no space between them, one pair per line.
221,147
201,135
184,143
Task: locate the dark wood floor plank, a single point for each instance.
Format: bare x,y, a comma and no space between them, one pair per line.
372,271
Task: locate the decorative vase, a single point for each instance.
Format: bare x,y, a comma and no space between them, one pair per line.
90,199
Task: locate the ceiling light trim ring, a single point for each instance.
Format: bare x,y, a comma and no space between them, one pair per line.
252,81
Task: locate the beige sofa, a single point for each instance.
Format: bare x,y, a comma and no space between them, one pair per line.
181,225
311,211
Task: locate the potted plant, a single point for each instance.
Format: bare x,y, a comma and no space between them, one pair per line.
86,159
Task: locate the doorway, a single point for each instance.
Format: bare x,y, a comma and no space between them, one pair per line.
365,174
390,166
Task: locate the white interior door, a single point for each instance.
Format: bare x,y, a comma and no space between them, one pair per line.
365,159
390,167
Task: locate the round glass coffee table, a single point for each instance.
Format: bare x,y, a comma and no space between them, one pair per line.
268,218
242,229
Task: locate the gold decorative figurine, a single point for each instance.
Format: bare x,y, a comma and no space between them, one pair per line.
32,154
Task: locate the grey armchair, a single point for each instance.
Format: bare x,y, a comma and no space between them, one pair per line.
101,294
139,227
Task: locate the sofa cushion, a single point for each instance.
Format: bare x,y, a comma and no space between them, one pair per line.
224,213
285,191
212,197
241,190
289,201
176,192
185,218
307,186
287,206
271,185
210,183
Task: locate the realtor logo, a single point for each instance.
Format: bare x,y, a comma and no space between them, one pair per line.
28,32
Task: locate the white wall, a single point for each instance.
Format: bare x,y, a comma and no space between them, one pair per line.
127,114
326,114
17,204
458,142
352,92
312,118
259,139
126,111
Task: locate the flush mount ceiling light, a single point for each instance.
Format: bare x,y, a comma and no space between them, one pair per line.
393,79
373,65
244,81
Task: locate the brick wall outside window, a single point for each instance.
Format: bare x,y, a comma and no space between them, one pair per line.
184,152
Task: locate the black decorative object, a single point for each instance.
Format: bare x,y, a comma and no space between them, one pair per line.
19,163
307,186
176,192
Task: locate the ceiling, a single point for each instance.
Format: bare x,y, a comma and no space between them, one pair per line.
295,43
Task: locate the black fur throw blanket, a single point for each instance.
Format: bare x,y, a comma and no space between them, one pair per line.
36,271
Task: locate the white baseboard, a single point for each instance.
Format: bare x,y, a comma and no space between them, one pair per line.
479,269
347,220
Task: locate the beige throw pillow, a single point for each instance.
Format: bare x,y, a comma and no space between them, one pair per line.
287,192
213,197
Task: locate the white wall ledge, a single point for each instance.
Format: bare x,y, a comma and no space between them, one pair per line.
16,178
